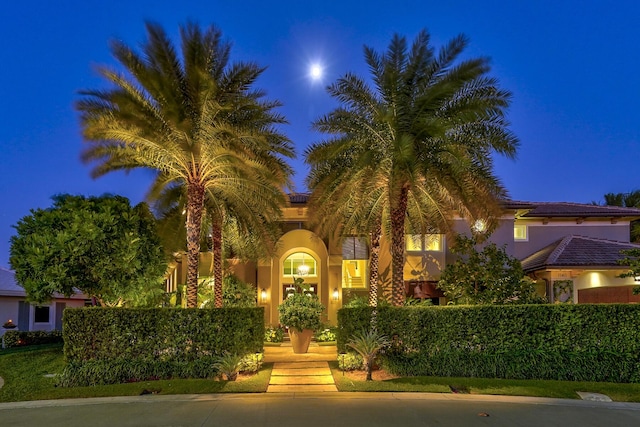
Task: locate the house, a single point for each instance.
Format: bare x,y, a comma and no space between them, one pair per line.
27,317
570,249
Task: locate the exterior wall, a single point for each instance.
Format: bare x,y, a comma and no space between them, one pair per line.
9,309
541,235
592,279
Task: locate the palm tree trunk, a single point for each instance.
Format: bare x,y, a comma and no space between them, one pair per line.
398,214
373,266
195,206
216,237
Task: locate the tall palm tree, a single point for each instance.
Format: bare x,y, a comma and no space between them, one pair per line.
248,224
416,146
193,118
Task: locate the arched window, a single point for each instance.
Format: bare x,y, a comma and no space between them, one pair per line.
300,264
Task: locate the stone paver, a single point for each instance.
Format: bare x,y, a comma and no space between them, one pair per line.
301,373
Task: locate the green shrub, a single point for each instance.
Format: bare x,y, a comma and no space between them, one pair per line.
274,334
24,338
350,361
301,311
590,342
326,333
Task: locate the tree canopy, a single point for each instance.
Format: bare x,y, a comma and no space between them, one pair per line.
100,246
414,149
197,120
489,276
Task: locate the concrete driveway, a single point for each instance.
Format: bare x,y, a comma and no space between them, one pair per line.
321,409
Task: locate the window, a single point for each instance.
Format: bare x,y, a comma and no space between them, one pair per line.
354,273
41,314
299,264
423,242
520,232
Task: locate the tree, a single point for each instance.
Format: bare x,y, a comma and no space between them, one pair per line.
250,228
626,200
97,245
486,277
632,260
195,120
414,150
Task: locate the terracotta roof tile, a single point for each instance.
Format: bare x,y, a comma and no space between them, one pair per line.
565,209
577,251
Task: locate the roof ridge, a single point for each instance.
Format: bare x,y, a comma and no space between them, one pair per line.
561,245
598,239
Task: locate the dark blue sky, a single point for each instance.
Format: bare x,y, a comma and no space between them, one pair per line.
572,67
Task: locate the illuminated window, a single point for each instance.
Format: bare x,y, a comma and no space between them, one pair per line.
354,273
520,232
299,264
422,243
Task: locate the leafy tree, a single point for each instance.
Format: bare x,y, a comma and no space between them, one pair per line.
486,277
632,260
97,245
197,121
413,151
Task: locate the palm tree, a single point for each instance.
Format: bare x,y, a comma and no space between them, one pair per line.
626,200
193,118
416,148
249,224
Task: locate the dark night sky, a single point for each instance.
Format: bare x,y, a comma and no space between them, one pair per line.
572,67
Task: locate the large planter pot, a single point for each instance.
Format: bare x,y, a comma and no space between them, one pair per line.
300,340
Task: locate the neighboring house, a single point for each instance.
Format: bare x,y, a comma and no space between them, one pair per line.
570,249
29,317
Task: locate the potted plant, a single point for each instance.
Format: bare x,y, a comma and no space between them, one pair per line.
300,312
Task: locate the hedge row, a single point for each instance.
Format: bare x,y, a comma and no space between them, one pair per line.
566,342
160,334
23,338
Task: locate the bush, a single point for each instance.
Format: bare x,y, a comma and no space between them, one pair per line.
24,338
588,342
350,361
326,333
274,334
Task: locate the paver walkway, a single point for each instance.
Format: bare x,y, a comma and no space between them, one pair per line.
300,373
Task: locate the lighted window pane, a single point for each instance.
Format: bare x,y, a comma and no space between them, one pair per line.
299,264
354,274
520,232
433,242
413,242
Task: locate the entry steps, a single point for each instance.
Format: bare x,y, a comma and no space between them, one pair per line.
301,377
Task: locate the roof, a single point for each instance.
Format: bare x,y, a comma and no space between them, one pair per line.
10,288
578,251
299,197
566,209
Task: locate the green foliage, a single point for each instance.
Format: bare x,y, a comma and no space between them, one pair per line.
185,334
627,200
368,344
97,245
274,334
236,293
301,311
599,342
486,277
325,333
24,338
350,361
229,364
410,146
632,260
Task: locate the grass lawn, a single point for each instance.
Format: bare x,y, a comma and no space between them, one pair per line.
540,388
25,373
24,370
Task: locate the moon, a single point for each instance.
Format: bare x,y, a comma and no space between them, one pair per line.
315,72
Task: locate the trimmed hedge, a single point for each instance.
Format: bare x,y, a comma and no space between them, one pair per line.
164,333
24,338
128,344
587,342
